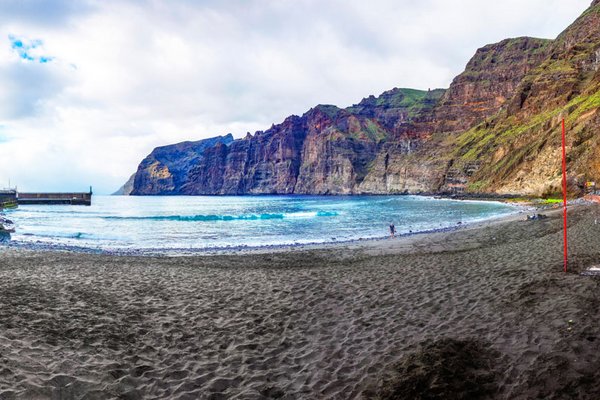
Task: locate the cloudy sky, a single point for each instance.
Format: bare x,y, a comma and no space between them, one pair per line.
88,88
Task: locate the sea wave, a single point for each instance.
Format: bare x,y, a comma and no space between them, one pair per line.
63,235
217,217
327,214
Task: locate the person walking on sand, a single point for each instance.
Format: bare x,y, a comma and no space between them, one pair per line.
392,230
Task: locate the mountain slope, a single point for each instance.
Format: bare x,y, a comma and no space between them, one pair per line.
426,165
520,146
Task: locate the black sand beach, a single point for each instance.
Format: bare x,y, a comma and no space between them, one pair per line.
481,312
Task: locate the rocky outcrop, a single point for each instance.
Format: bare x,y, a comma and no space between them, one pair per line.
267,162
337,151
166,169
489,80
494,130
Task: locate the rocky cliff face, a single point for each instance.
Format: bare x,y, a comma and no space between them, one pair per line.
166,169
518,149
267,162
489,80
495,130
426,165
328,150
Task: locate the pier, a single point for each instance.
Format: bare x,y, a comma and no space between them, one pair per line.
12,198
73,198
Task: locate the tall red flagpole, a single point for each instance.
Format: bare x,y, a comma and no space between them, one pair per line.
564,188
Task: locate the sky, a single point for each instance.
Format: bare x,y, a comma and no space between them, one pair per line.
88,88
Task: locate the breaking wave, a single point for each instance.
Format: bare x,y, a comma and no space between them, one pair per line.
217,217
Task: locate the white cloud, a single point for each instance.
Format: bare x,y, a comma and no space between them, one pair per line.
128,76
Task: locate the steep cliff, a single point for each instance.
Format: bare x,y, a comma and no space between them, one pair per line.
328,150
494,130
518,149
267,162
166,169
420,160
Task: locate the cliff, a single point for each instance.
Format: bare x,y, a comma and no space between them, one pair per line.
494,130
490,78
165,170
518,149
328,150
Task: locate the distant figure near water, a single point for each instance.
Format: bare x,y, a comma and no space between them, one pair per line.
392,230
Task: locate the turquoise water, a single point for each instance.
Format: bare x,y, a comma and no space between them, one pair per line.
174,223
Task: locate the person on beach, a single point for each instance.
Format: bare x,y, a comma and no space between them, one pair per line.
392,230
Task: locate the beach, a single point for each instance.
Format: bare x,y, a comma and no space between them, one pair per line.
484,311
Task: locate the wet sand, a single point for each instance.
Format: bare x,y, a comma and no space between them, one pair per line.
481,312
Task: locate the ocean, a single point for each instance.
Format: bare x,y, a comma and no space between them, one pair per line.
181,224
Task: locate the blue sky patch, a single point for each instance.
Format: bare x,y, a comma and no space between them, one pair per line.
29,49
3,137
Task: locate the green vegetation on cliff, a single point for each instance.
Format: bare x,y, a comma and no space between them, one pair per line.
413,101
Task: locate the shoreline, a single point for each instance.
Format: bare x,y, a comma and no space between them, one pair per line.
352,321
242,249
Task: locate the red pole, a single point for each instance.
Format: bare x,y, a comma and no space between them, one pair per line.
564,188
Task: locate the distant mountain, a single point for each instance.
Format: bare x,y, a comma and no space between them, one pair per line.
494,130
127,188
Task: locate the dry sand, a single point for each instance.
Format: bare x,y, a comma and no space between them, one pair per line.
482,312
